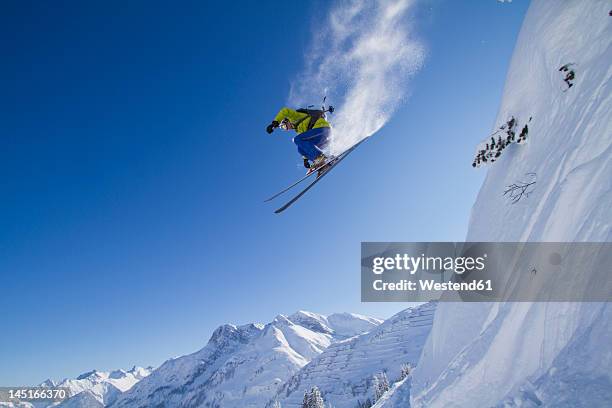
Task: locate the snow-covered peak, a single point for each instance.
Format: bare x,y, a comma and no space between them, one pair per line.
229,334
339,325
242,366
91,374
281,319
310,315
313,321
98,388
344,371
117,374
121,379
98,395
48,383
304,340
140,372
351,324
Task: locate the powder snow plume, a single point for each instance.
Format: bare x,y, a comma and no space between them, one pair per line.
363,54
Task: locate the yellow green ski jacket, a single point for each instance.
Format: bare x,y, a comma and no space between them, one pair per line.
301,119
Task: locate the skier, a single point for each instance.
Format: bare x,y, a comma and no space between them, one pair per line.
313,132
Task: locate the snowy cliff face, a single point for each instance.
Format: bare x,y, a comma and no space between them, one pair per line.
344,372
242,366
538,354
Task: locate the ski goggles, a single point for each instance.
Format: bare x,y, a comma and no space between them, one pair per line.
286,124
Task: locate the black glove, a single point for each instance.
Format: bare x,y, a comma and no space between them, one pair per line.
271,126
306,162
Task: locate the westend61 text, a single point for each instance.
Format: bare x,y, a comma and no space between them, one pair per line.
431,285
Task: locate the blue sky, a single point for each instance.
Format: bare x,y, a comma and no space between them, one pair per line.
134,162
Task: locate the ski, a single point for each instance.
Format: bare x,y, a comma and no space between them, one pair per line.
331,165
331,160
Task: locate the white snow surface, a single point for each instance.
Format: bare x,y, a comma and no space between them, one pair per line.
538,354
344,371
243,366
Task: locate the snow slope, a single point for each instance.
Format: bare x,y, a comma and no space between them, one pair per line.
344,371
242,366
539,354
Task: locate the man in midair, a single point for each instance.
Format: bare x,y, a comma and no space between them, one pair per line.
313,132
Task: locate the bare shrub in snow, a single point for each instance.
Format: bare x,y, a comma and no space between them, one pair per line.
517,190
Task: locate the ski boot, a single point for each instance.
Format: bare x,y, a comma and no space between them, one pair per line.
317,164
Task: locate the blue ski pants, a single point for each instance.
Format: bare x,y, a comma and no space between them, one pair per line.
311,142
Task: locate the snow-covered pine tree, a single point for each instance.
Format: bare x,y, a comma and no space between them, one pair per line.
276,404
405,371
313,399
317,399
366,404
381,385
